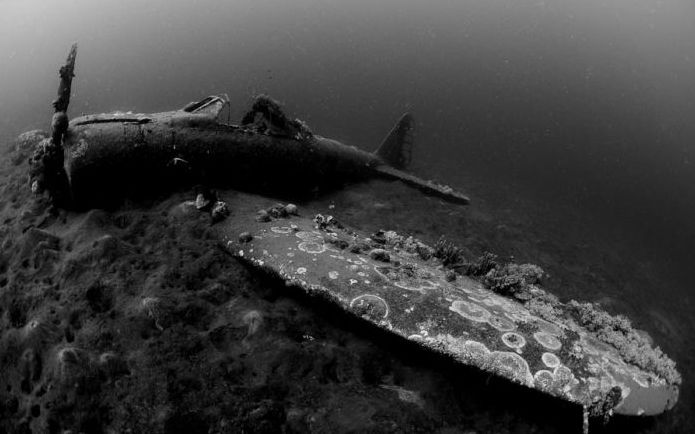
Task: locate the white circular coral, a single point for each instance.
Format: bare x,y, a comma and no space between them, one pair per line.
476,351
312,247
514,340
371,306
547,340
501,323
512,366
470,311
550,360
544,380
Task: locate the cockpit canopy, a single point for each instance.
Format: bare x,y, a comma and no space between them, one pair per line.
215,106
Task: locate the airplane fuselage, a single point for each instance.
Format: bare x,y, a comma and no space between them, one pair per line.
122,153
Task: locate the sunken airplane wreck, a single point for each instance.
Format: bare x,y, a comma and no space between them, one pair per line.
119,154
395,283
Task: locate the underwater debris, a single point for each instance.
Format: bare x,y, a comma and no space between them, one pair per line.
219,212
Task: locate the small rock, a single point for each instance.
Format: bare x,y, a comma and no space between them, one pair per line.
262,216
358,247
71,364
380,255
151,306
277,211
245,237
253,319
337,242
220,211
291,209
324,222
201,202
450,275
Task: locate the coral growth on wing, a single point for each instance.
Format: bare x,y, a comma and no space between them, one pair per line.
522,283
448,253
501,321
618,331
515,280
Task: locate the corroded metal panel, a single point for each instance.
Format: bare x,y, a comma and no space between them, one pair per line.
401,292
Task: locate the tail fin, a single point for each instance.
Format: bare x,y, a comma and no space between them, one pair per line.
396,149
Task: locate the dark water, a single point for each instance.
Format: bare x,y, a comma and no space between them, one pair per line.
583,109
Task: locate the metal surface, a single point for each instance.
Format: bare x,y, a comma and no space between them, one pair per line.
412,298
109,155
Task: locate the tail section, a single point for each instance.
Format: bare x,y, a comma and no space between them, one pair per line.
396,152
396,149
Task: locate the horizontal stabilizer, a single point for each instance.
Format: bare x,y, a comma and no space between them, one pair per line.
428,187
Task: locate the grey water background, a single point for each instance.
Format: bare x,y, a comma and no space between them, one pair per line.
584,107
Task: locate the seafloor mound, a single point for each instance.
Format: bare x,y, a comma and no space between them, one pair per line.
137,320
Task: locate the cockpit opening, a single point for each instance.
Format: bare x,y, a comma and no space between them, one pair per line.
215,106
